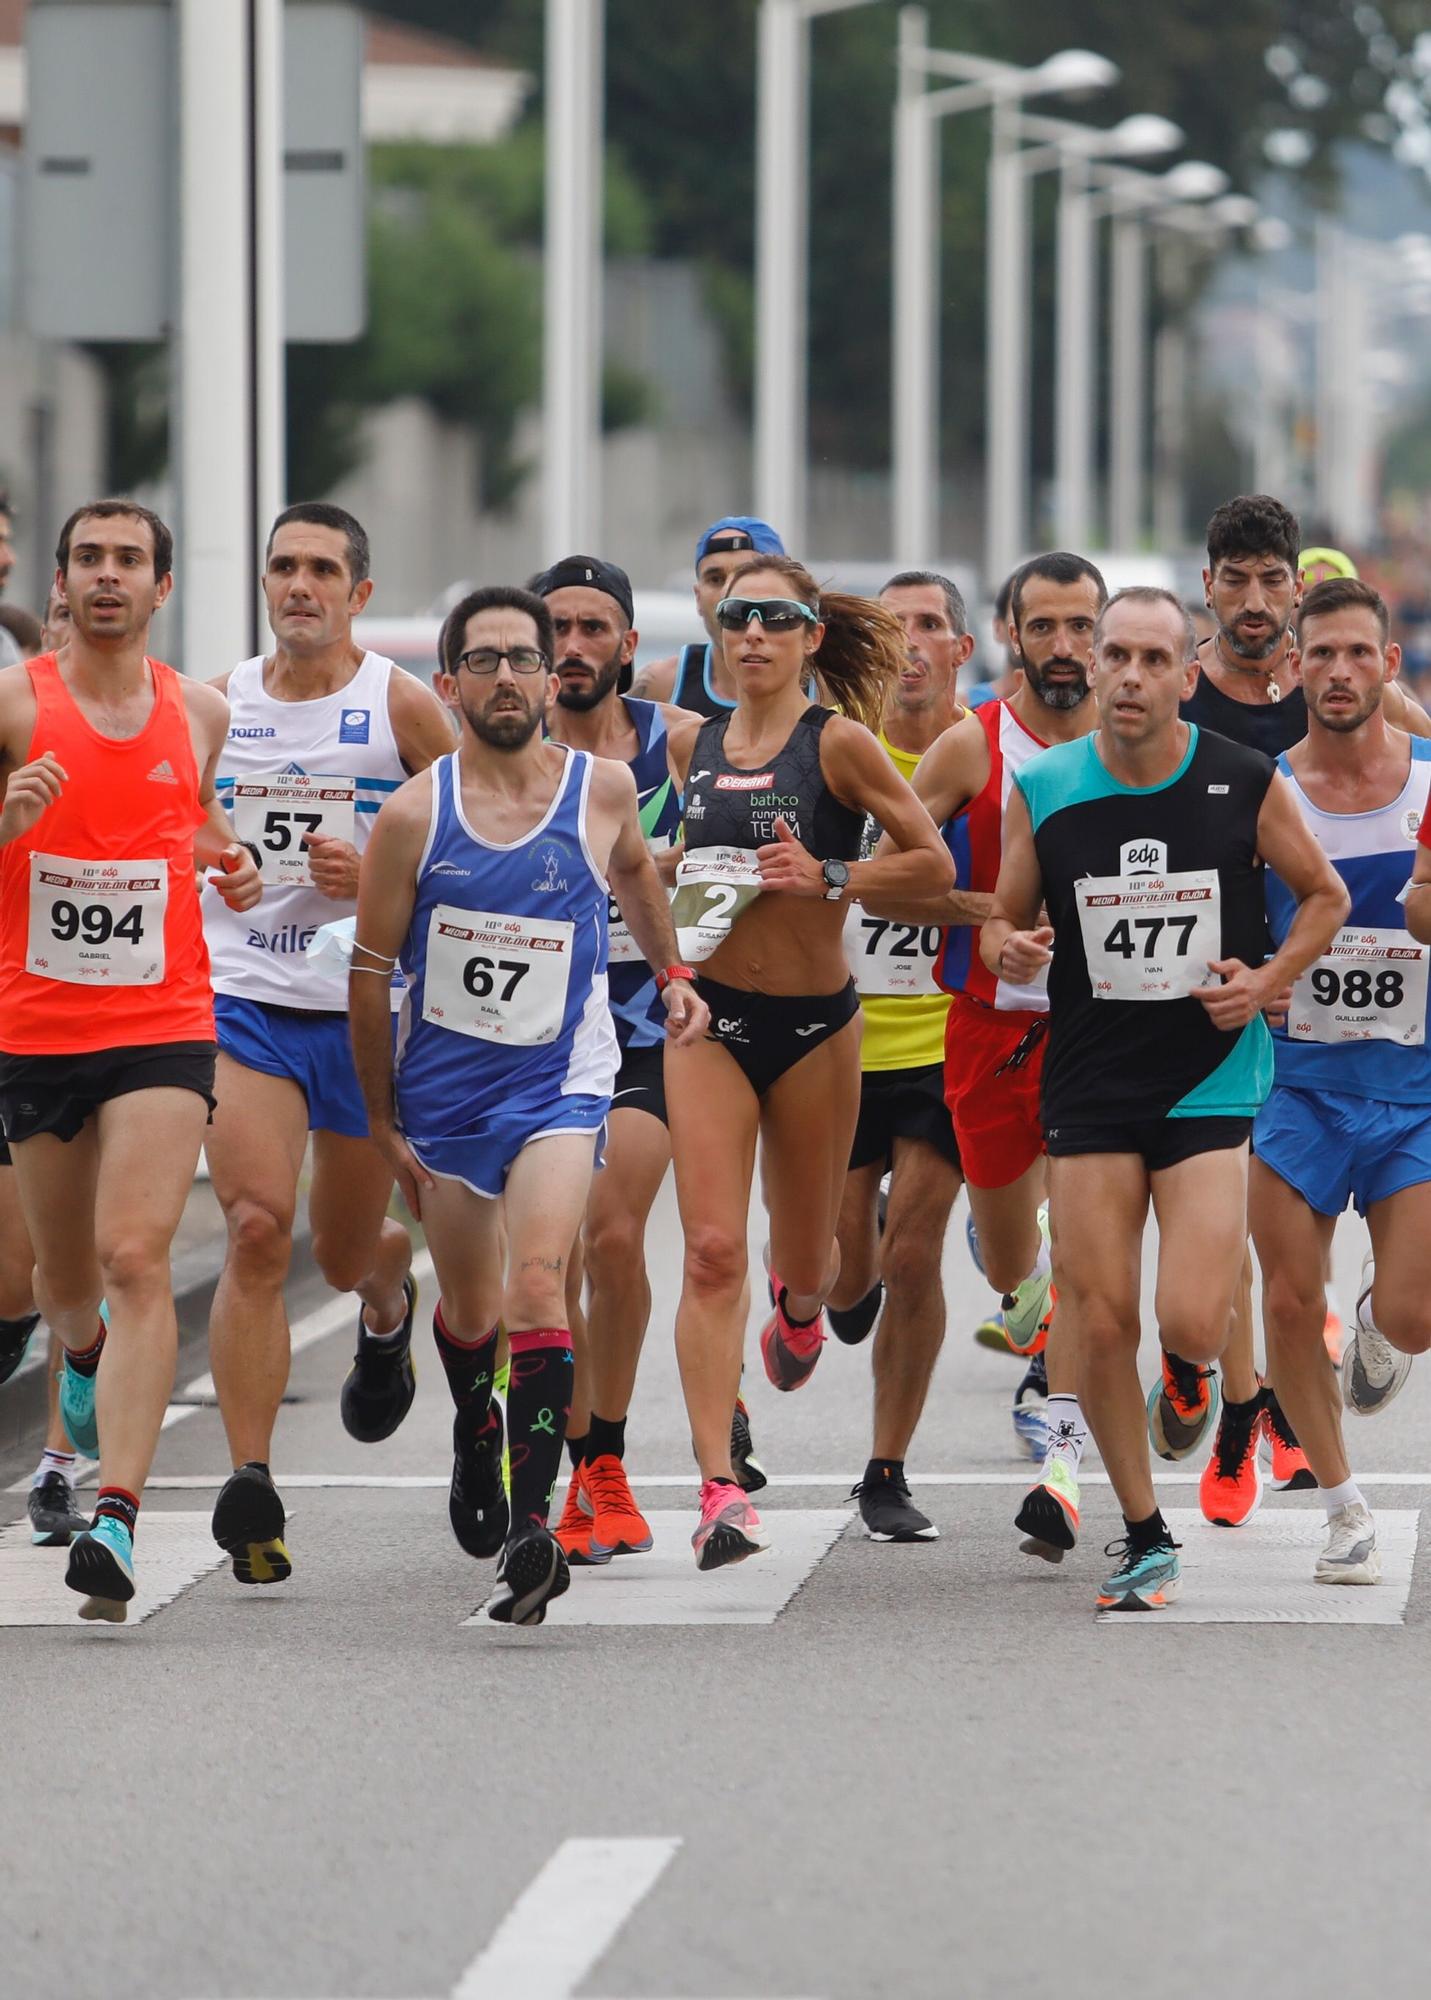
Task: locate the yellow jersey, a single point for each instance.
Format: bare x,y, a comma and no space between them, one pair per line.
893,970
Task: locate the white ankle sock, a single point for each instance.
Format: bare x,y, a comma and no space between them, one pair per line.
54,1461
1067,1432
1348,1494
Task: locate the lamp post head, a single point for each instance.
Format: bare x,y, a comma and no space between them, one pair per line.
1235,211
1074,73
1141,136
1194,180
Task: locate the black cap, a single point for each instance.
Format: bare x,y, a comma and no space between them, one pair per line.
591,573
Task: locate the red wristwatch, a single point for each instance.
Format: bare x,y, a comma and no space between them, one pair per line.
663,979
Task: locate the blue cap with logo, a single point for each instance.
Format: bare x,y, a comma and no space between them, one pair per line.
740,531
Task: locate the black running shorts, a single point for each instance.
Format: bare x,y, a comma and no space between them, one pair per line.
1162,1142
902,1104
641,1082
59,1094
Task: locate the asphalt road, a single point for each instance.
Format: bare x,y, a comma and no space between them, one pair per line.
933,1773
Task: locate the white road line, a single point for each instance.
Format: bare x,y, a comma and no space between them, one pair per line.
1264,1577
566,1920
174,1551
204,1482
664,1587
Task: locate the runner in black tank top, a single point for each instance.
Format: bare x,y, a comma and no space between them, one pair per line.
1146,842
775,799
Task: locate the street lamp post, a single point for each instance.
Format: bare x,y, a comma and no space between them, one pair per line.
983,85
571,274
782,259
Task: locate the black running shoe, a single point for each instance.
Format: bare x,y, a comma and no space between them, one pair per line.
54,1519
854,1323
477,1504
749,1472
14,1339
248,1523
381,1383
889,1514
531,1570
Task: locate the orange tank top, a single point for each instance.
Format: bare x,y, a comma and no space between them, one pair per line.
101,942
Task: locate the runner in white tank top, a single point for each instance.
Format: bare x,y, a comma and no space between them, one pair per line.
320,734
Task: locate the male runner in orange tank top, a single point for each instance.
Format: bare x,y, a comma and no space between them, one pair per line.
106,1012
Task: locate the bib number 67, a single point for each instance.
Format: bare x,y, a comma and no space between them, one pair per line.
479,976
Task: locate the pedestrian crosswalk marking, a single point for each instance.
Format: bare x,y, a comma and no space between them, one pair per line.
171,1552
1261,1574
664,1587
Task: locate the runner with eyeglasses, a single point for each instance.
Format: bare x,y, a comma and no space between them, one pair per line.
487,879
775,800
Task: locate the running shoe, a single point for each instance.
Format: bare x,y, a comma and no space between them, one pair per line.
1350,1555
1028,1309
620,1529
101,1568
1290,1470
1145,1579
1181,1406
729,1529
381,1382
889,1514
248,1523
477,1505
574,1530
531,1571
790,1352
1031,1420
971,1237
749,1472
852,1324
1230,1490
1335,1335
77,1411
992,1333
54,1519
1048,1519
1373,1371
14,1339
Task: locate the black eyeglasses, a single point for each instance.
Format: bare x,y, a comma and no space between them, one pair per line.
776,614
487,659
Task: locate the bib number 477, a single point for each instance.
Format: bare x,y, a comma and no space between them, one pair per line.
1122,943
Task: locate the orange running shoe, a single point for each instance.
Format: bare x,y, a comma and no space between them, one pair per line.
1290,1470
1230,1490
619,1527
574,1530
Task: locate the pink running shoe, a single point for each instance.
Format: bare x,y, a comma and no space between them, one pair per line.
789,1352
730,1528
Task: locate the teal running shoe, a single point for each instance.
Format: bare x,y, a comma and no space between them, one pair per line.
77,1401
101,1568
1145,1579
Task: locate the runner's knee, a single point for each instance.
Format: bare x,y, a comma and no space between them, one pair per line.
536,1295
615,1251
344,1264
1193,1335
261,1241
909,1255
1293,1301
1405,1319
134,1263
716,1261
1104,1333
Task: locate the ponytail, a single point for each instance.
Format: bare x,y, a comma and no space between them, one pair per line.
863,649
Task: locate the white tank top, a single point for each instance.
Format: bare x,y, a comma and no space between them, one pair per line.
290,768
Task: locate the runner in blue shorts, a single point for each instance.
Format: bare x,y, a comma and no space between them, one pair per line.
320,733
487,881
1349,1119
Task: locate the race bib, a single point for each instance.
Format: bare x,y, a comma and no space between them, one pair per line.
97,923
500,978
893,959
713,886
1149,937
276,812
1368,986
621,947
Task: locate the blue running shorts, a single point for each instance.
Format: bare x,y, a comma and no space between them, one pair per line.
482,1159
1334,1148
310,1049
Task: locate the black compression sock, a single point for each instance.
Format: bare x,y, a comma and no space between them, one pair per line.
1150,1534
606,1438
468,1369
538,1405
576,1449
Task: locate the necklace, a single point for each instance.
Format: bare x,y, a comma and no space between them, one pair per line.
1267,675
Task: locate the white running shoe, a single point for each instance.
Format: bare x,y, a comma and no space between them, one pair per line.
1373,1371
1350,1555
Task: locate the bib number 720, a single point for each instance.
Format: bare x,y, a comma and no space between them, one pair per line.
1121,942
478,976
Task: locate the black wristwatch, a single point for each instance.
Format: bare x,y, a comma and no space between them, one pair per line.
837,879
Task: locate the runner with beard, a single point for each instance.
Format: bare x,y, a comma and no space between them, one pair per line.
487,879
994,1038
904,1127
1247,689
